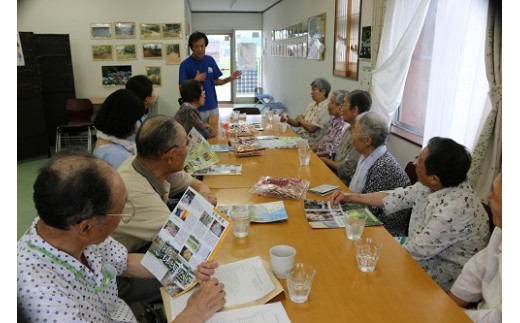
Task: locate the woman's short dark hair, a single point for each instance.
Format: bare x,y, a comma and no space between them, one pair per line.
195,37
191,91
141,85
119,113
448,160
360,99
73,186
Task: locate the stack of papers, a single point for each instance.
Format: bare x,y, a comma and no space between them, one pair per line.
324,189
219,170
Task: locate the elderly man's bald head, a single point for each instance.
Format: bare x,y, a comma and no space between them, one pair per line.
74,185
156,135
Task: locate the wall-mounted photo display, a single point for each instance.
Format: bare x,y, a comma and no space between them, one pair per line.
102,53
150,31
316,37
101,31
116,74
152,50
124,30
126,52
173,54
154,74
364,49
171,30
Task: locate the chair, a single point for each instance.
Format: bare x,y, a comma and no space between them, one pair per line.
490,216
410,171
247,110
79,129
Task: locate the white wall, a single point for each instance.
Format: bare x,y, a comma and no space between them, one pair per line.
74,17
288,79
214,22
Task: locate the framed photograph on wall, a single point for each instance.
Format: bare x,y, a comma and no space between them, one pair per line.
154,74
116,74
173,54
316,37
124,30
101,31
364,49
150,31
126,52
152,50
171,30
102,53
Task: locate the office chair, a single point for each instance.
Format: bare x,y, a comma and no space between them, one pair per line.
79,130
410,171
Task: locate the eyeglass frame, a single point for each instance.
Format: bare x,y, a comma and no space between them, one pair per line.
415,160
125,217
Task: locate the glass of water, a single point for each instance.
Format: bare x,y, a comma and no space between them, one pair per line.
355,224
299,282
367,253
241,221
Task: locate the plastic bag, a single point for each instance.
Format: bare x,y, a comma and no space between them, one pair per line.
281,187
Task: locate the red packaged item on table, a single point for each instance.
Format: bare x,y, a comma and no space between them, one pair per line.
281,187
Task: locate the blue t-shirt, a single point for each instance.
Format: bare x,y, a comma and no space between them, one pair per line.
188,70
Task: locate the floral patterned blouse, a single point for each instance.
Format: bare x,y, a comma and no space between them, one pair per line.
332,136
447,227
318,115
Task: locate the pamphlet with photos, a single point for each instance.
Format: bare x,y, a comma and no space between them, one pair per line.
261,213
219,170
200,154
324,189
192,234
324,215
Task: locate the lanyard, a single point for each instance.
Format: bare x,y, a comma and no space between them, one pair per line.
108,271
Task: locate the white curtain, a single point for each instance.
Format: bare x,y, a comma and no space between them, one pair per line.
458,88
402,26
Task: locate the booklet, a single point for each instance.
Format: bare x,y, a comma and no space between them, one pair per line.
192,234
219,170
261,213
247,282
324,189
200,154
324,215
220,148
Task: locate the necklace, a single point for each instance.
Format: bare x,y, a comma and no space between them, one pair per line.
108,271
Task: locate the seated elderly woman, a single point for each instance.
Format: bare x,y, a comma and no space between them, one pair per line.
377,169
309,125
116,123
334,130
193,97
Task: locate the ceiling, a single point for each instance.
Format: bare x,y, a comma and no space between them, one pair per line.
250,6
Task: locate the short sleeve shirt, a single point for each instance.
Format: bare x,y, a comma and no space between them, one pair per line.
333,136
447,227
151,211
318,115
53,286
113,154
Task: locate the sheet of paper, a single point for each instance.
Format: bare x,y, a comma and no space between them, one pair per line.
269,313
244,281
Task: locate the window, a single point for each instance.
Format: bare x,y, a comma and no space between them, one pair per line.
445,92
346,38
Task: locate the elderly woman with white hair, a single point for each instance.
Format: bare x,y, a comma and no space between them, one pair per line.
377,169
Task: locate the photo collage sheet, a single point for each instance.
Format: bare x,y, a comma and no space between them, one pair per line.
192,234
200,154
323,215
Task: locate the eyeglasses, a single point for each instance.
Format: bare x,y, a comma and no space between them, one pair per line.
415,160
126,217
173,146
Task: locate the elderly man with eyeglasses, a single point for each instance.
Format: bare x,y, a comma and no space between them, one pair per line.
67,262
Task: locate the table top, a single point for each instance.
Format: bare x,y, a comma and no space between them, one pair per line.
399,290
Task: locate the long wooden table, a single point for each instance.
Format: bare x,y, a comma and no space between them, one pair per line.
399,290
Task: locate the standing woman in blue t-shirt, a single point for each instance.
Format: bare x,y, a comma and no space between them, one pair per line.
203,68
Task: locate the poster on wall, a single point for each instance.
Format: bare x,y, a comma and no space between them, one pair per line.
316,37
173,54
19,57
364,50
116,75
